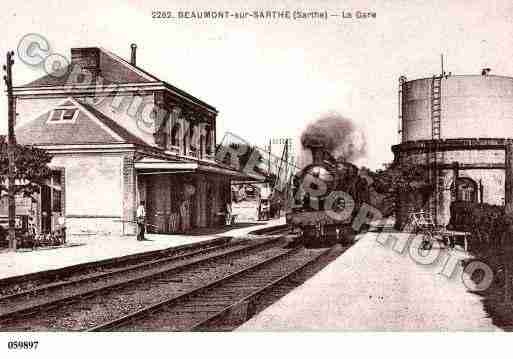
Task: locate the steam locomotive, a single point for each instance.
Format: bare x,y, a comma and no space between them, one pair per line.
327,195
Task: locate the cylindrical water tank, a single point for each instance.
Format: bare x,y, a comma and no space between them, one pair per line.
472,106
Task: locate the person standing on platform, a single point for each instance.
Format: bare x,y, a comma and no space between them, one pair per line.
141,221
185,213
228,211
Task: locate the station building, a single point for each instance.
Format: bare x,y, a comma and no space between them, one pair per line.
119,135
461,127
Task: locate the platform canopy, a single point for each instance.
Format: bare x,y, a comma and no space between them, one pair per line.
149,166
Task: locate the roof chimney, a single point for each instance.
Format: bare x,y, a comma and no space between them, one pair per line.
133,55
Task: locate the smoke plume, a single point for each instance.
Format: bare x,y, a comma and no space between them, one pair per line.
336,134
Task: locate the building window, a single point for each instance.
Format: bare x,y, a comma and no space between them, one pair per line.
467,189
184,142
63,115
175,135
56,201
161,138
68,115
208,144
192,137
56,185
202,146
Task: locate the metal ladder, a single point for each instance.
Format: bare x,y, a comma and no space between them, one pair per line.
403,92
436,156
436,106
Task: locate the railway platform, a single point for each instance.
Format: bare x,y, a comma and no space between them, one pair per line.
372,287
89,249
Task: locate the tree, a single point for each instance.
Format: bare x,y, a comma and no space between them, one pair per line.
401,178
30,168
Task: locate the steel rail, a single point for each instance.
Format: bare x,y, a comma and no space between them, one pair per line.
97,276
127,319
129,259
251,300
52,303
125,260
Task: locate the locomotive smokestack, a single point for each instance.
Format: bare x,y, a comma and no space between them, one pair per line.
317,153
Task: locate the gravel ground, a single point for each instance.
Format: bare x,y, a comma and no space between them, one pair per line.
97,310
184,314
100,247
86,272
372,287
7,304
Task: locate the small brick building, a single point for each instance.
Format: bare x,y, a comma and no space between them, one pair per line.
120,135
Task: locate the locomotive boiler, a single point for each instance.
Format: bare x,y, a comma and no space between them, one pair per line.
327,195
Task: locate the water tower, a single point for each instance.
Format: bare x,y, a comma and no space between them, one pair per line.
461,127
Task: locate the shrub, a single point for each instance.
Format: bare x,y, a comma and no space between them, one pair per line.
488,224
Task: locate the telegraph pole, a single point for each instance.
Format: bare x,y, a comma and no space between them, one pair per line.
269,158
11,141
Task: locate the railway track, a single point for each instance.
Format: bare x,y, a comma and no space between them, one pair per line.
26,282
221,304
214,288
25,307
23,283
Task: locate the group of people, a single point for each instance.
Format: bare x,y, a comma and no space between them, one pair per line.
140,218
28,235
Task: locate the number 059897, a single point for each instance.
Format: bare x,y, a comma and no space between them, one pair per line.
22,345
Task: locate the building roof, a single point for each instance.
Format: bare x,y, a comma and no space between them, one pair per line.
112,70
122,132
84,125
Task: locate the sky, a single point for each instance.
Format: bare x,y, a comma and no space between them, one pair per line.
270,77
